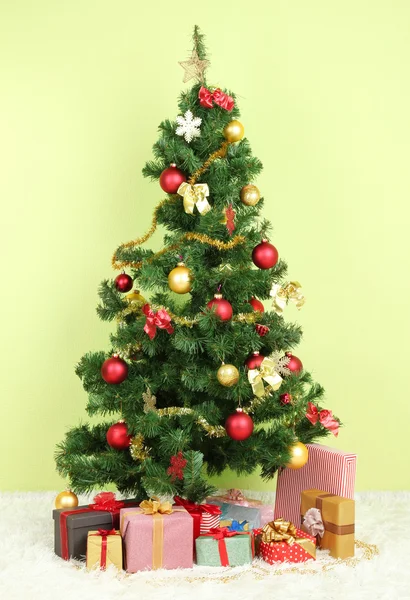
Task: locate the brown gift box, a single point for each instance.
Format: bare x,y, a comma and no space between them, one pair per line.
338,519
113,552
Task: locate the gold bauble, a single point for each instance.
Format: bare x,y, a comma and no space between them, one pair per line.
234,131
66,499
135,296
299,456
250,195
227,375
179,279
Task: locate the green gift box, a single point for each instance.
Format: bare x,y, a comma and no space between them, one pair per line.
223,548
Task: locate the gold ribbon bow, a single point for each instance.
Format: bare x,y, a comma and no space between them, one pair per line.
279,531
195,195
154,506
282,295
267,372
285,531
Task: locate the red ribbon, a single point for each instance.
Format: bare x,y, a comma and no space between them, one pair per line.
159,319
104,533
219,534
207,98
196,511
325,417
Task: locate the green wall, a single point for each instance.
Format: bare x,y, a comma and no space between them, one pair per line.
325,96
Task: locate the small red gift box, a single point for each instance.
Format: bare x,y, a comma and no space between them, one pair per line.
280,541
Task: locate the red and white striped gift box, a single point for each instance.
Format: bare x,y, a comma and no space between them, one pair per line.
209,521
327,469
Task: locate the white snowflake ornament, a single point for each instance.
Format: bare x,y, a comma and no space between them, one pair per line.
188,126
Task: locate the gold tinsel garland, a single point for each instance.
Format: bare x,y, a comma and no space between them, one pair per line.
121,264
116,264
135,308
198,237
176,411
150,402
262,571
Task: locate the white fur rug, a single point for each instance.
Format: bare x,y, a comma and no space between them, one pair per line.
29,569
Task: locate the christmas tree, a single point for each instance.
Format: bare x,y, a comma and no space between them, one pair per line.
199,377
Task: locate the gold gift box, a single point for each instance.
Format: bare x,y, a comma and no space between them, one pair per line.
338,519
94,547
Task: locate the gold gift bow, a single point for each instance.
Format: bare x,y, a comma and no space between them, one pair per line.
154,506
285,531
195,195
281,296
279,531
267,372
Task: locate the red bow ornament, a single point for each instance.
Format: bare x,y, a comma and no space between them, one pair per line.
208,98
106,501
325,417
159,319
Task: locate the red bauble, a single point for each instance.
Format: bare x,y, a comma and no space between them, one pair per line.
257,305
123,283
295,364
114,370
223,308
261,330
254,361
117,436
239,425
171,179
285,398
265,255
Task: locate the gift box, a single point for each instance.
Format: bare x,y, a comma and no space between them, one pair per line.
71,527
205,516
327,469
281,541
157,536
331,519
223,548
235,506
104,548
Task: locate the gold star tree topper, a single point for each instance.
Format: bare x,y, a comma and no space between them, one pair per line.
194,67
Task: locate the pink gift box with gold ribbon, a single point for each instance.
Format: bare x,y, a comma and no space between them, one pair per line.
158,540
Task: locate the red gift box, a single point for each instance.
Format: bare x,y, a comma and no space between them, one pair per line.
288,543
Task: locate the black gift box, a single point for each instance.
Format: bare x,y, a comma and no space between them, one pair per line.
79,524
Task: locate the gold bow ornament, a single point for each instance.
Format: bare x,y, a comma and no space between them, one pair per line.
154,506
279,531
195,195
285,531
266,372
282,295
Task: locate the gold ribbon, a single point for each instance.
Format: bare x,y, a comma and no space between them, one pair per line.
267,372
285,531
195,195
282,295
